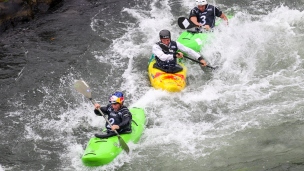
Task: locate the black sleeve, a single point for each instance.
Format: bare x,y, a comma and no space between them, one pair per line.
104,110
218,12
126,118
174,55
192,13
200,58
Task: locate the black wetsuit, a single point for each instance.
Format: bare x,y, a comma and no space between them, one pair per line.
207,17
122,118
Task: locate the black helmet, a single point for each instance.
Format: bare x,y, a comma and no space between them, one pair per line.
164,34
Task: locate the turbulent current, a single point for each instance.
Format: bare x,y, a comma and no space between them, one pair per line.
245,116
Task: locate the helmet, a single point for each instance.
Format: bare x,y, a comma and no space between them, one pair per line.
201,2
165,34
117,97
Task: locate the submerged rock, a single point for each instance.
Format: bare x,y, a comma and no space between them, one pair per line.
13,12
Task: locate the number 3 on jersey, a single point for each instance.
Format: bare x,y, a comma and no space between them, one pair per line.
203,20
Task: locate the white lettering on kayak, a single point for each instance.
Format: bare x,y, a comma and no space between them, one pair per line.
198,41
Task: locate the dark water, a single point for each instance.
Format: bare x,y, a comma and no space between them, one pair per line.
35,58
45,123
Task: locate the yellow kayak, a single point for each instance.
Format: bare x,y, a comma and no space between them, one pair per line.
167,81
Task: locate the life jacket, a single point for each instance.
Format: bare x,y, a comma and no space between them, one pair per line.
172,50
116,117
207,17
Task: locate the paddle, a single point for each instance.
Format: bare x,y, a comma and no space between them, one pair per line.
166,48
213,68
185,23
84,89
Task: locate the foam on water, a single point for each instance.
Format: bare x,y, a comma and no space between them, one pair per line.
258,59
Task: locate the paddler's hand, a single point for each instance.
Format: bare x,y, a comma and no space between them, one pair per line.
97,106
114,127
203,62
179,55
206,27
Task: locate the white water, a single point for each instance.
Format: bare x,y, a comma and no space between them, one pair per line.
258,86
260,64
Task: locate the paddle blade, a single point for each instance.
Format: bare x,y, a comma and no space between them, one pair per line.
185,23
83,88
123,144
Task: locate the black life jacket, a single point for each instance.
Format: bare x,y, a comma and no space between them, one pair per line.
115,117
172,50
207,17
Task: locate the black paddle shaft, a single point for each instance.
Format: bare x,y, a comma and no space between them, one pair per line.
166,48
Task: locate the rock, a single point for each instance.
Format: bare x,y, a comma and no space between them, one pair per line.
13,12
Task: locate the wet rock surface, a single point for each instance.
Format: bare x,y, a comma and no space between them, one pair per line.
13,12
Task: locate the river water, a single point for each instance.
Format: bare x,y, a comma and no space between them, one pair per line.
246,116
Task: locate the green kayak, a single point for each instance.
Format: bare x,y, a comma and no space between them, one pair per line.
102,151
195,41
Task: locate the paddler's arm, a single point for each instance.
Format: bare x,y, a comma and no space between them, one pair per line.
220,14
157,51
191,53
103,109
224,17
194,21
126,118
193,17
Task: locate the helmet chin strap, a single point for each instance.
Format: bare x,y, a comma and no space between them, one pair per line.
214,12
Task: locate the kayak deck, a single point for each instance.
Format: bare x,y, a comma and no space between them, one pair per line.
167,81
102,151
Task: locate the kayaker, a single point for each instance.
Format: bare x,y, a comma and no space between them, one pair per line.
166,58
118,115
204,15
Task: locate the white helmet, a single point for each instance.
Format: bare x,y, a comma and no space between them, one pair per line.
201,2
